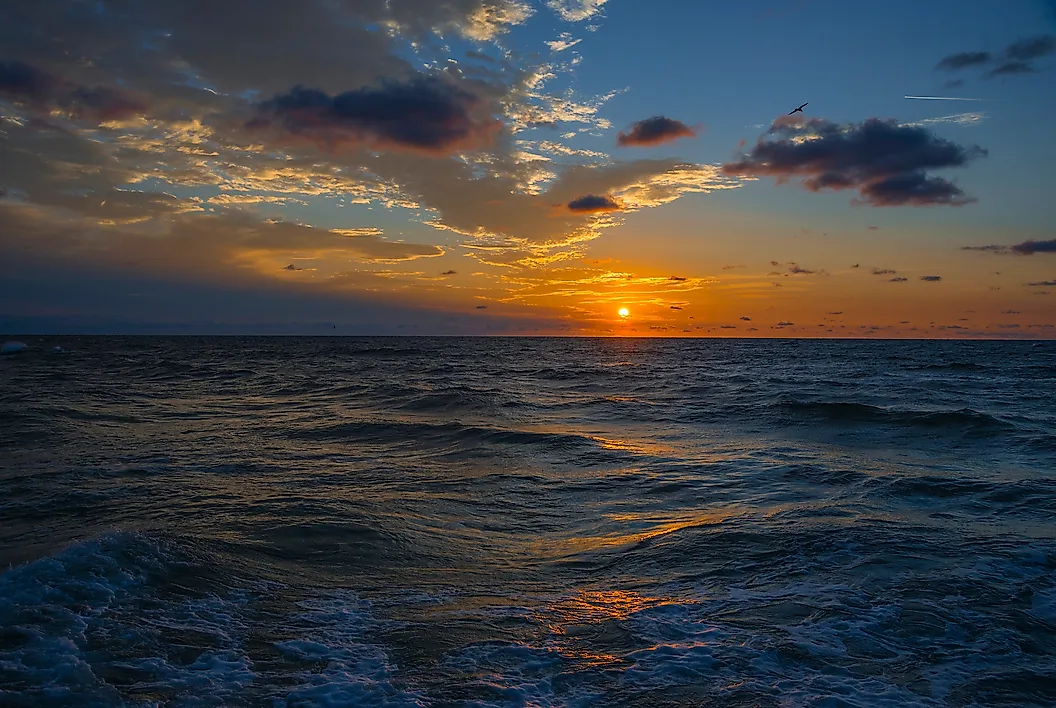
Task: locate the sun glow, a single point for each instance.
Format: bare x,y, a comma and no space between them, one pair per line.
624,312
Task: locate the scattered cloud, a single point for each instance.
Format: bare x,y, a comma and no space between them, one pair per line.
883,271
731,267
292,267
576,10
563,42
677,278
785,324
931,278
887,163
898,280
594,204
676,307
1017,57
654,131
1043,284
746,319
449,272
1026,248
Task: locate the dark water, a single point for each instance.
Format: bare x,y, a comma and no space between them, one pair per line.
517,522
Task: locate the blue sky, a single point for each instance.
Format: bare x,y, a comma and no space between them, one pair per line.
365,167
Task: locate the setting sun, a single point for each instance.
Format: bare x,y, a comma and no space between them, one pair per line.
624,312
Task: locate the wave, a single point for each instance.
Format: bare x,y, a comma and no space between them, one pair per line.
951,366
117,621
848,412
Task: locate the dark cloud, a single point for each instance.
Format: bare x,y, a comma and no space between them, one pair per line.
677,278
23,83
747,319
292,267
836,313
654,131
593,204
873,228
676,307
449,272
425,114
883,271
482,307
785,324
1026,248
1013,67
797,269
1031,48
731,267
1043,284
963,60
1016,58
931,278
728,327
885,161
898,280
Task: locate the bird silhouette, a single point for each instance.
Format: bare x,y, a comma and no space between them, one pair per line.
797,110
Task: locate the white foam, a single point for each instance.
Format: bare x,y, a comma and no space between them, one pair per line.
96,610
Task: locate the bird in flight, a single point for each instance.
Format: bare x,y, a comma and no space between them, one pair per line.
797,110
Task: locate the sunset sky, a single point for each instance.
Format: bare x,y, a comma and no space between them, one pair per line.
528,167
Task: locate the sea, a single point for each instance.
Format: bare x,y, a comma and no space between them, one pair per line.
498,522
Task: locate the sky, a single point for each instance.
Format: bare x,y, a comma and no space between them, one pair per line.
529,167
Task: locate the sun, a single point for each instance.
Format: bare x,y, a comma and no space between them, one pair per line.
624,312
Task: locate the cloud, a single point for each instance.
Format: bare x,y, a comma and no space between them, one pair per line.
886,162
1043,284
426,114
678,278
1031,48
963,60
972,118
898,280
785,324
676,307
931,278
654,131
21,82
731,267
449,272
563,42
593,204
747,319
292,267
1026,248
482,307
576,10
1016,58
883,271
1012,68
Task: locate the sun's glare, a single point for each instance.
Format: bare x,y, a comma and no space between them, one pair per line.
624,312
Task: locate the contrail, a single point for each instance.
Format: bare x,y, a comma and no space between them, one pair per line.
943,98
